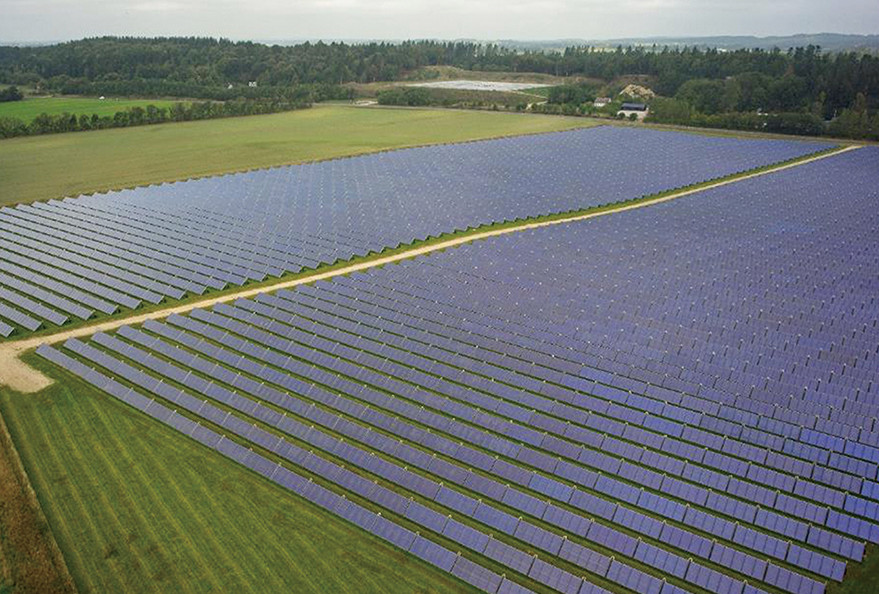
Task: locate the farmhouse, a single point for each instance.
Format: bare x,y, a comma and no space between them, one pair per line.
639,109
601,101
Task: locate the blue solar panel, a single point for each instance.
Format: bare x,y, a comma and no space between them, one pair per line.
393,533
465,535
634,579
557,579
433,553
476,575
508,556
542,539
681,406
495,518
426,517
584,558
163,240
792,582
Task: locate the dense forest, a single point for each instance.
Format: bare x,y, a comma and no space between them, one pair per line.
10,94
703,83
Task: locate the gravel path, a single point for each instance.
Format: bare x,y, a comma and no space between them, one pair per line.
23,378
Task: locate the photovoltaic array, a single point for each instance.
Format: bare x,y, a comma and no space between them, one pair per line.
670,399
78,257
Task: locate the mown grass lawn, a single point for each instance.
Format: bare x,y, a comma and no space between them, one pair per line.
138,507
29,108
57,165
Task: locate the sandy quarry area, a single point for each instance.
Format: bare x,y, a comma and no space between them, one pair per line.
479,85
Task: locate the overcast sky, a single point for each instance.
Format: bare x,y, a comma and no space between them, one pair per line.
43,20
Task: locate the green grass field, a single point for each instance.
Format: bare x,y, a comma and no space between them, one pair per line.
542,91
28,109
138,507
56,165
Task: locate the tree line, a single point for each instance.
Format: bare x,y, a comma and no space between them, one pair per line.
189,66
10,94
141,116
713,84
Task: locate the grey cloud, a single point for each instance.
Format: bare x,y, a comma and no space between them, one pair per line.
35,20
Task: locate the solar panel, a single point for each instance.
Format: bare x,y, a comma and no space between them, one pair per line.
476,575
30,306
424,516
433,553
496,518
465,535
509,556
393,533
557,579
540,538
679,413
634,579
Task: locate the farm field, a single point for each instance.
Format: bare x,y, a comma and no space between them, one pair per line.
432,322
525,423
560,410
98,255
53,166
561,430
137,507
29,108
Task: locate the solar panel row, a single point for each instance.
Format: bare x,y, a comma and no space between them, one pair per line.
386,498
529,390
146,244
696,436
495,519
614,488
472,573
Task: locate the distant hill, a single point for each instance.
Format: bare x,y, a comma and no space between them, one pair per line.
828,41
835,42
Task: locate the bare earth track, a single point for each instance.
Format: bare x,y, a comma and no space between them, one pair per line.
22,378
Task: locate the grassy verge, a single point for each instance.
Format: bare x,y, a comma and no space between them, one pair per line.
27,109
860,578
57,165
138,507
30,561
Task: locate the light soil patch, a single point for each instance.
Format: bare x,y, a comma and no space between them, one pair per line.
22,378
478,85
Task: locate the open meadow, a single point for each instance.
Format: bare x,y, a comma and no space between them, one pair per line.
29,108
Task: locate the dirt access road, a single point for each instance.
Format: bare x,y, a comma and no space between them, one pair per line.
23,378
